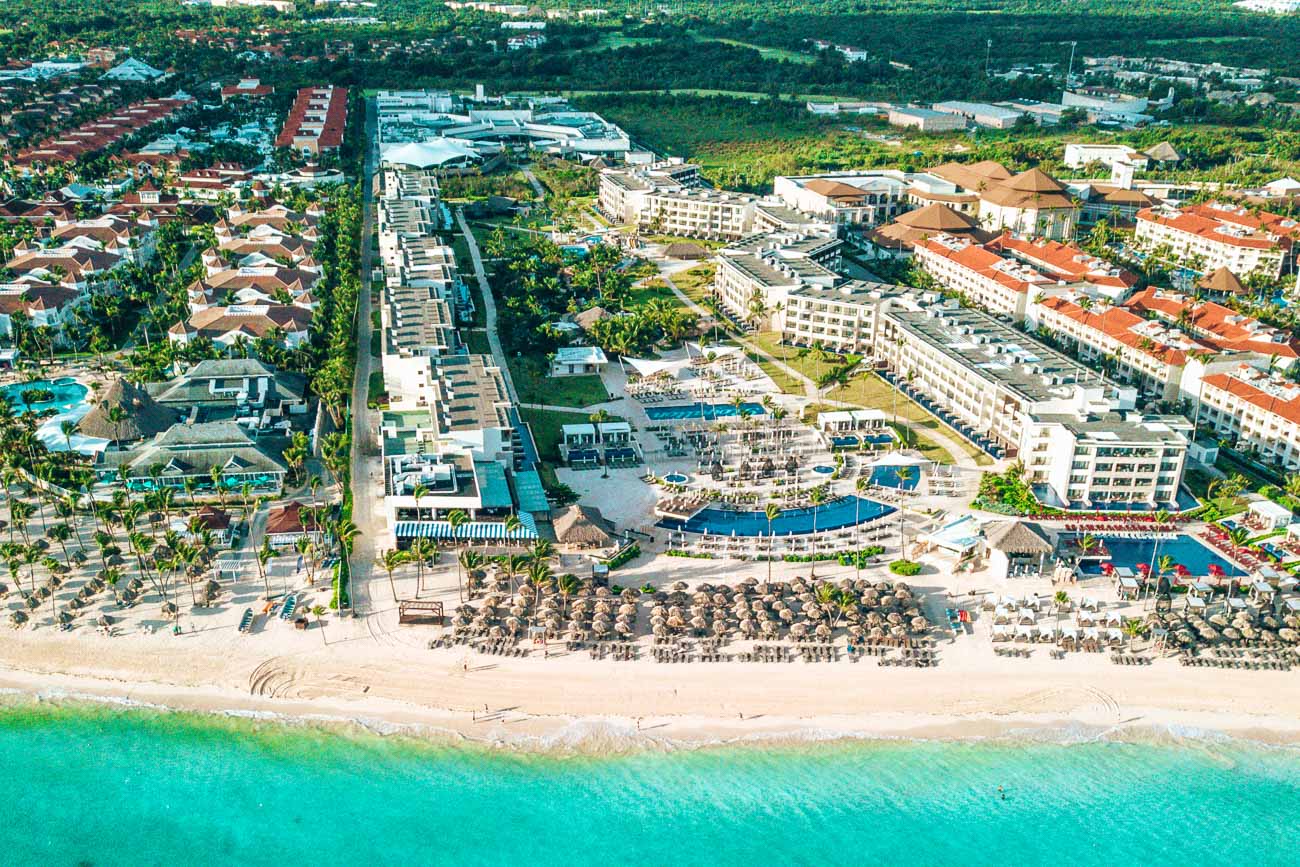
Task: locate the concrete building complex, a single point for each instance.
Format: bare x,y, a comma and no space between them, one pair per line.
1075,430
450,438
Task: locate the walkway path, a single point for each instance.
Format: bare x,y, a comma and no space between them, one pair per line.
537,185
938,436
527,447
489,305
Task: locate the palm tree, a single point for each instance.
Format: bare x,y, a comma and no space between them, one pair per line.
264,555
567,585
771,512
422,551
541,551
1059,601
457,518
306,549
904,475
1133,627
390,560
816,497
419,492
318,611
512,566
470,561
539,578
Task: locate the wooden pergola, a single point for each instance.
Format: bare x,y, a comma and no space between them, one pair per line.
420,611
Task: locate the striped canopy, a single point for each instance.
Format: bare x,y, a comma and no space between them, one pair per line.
474,530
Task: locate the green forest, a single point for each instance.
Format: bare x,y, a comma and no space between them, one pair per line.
917,50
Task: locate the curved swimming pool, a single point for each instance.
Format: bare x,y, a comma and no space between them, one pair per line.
67,393
846,512
69,402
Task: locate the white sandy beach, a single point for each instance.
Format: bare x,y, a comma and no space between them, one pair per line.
381,675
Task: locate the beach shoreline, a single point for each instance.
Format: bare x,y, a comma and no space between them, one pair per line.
591,730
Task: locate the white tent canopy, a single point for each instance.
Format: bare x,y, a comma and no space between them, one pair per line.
897,459
651,366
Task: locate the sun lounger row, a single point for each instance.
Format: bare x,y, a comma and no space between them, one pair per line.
907,663
1129,659
1245,664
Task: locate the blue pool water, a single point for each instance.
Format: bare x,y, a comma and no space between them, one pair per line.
115,788
850,441
676,478
707,411
830,516
887,477
68,394
823,469
1185,550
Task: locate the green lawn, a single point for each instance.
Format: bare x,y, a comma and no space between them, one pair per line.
870,391
476,341
808,362
546,426
376,385
766,52
653,289
695,283
534,386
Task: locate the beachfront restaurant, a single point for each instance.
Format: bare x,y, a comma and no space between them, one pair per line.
1016,549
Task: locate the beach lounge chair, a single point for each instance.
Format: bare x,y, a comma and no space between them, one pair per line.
289,606
246,621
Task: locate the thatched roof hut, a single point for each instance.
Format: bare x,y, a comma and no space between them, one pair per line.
1223,281
1017,538
137,416
685,250
583,527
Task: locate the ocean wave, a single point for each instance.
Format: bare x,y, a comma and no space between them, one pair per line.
612,736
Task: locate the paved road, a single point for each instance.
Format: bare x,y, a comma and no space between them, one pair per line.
366,470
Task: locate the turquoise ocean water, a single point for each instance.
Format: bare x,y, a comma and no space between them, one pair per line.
104,786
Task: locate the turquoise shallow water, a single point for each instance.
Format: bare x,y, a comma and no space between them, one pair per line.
102,786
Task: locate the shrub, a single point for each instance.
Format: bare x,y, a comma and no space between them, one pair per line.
629,553
905,567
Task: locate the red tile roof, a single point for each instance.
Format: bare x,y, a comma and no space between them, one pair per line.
1217,325
319,114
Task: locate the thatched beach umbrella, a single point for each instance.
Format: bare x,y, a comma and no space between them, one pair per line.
17,618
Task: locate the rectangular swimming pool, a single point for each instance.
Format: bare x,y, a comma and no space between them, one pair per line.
705,411
1185,551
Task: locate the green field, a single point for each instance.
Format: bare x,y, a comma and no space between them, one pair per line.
535,386
870,391
546,426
